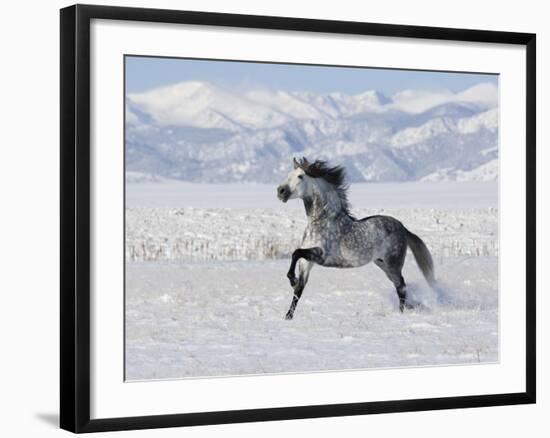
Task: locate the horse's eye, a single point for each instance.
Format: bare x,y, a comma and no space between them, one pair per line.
300,176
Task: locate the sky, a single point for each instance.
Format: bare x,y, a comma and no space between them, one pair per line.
146,73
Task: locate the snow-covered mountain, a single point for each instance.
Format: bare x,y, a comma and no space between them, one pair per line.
197,131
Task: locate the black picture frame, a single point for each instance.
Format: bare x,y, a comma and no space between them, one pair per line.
76,209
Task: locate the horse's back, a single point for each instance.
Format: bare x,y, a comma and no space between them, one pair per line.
383,234
387,223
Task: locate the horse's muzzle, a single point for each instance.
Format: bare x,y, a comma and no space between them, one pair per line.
283,193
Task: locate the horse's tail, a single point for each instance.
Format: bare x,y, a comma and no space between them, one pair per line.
422,256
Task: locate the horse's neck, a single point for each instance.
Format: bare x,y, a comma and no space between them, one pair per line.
323,205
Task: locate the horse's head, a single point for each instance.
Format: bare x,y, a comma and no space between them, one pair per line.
298,184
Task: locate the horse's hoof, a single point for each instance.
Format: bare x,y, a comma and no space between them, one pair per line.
289,316
416,305
411,306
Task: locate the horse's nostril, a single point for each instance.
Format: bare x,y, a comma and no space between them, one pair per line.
281,190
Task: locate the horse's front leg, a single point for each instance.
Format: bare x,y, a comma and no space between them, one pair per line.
314,255
304,268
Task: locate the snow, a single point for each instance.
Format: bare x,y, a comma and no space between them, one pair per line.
178,194
227,318
467,125
212,107
264,107
206,291
485,172
141,177
259,234
417,101
487,120
201,132
409,136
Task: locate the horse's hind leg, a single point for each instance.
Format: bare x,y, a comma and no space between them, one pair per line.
392,267
304,268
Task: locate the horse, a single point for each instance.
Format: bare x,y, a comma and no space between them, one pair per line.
335,238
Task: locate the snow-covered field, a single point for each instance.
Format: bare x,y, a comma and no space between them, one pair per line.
195,234
177,194
206,291
227,318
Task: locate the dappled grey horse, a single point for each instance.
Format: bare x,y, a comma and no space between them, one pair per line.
335,238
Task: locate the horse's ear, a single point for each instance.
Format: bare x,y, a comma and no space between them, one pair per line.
296,164
305,163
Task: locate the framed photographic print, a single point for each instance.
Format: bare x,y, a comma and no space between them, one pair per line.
271,218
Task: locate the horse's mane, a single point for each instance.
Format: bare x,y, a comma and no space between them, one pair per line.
334,175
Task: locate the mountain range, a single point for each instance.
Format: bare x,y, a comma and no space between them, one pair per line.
202,132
